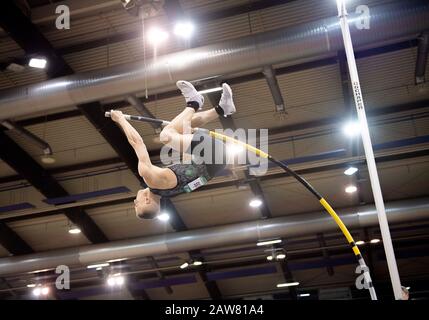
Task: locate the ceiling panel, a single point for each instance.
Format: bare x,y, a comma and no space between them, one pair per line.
48,233
120,222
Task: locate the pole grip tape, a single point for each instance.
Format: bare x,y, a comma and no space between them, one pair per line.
341,225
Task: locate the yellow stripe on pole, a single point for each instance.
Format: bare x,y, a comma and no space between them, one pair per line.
225,138
340,224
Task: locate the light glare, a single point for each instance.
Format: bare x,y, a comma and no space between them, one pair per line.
184,29
351,129
163,217
74,230
351,189
255,203
289,284
351,171
375,241
267,243
39,63
156,36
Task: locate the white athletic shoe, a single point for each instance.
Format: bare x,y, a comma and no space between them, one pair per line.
226,102
190,93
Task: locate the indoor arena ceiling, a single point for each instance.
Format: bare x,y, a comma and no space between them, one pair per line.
92,155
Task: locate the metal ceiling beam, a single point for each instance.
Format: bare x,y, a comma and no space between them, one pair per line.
234,80
29,169
200,19
12,242
93,111
214,237
422,57
278,130
270,76
253,51
29,38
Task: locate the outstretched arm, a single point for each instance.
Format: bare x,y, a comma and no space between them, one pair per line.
148,171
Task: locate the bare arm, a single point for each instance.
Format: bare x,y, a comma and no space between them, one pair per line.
153,175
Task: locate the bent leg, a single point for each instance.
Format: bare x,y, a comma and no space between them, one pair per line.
199,119
178,133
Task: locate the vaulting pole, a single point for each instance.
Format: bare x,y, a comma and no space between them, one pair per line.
300,179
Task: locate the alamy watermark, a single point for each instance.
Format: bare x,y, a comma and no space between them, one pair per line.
63,19
208,150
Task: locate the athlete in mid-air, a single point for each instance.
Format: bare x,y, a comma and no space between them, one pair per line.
179,135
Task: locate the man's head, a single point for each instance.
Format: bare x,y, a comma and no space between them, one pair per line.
146,204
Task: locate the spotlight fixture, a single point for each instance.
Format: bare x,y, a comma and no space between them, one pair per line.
352,129
360,242
37,292
74,230
255,203
48,159
184,29
184,265
351,189
95,266
351,171
374,241
157,36
287,284
268,242
163,216
115,280
39,63
280,256
41,291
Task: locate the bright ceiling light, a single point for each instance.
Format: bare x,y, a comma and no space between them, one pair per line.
351,189
156,36
184,265
255,203
302,295
119,280
267,243
197,263
31,285
351,129
210,90
288,284
360,242
280,256
39,63
37,292
351,171
163,216
375,241
100,265
45,291
184,29
47,159
74,230
111,281
269,258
